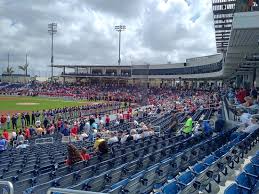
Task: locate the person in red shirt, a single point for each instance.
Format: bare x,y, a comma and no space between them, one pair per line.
130,110
74,130
6,135
27,133
3,120
241,94
84,154
107,121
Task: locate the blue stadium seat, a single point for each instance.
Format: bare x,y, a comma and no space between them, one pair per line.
155,157
255,160
175,165
86,173
162,172
144,162
116,188
212,162
187,183
96,184
130,168
66,181
203,176
149,178
115,174
232,189
134,184
245,182
171,188
251,170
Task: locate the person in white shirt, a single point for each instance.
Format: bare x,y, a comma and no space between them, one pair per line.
83,136
124,138
37,123
8,121
117,123
197,128
113,138
135,134
22,145
145,132
245,118
14,135
252,126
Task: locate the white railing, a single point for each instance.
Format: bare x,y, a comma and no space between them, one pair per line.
8,189
69,191
47,140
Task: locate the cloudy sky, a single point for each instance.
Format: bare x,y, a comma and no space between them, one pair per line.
157,31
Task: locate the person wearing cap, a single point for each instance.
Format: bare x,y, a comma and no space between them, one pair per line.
187,129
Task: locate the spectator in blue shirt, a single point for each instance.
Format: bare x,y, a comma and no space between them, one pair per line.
65,131
3,144
207,128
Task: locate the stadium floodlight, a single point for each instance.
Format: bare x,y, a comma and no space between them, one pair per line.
52,29
120,28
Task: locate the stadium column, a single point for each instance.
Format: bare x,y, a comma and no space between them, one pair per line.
104,70
173,83
64,72
257,78
250,79
118,71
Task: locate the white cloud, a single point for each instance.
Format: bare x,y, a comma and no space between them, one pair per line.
157,31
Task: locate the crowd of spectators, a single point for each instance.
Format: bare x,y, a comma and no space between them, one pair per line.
71,121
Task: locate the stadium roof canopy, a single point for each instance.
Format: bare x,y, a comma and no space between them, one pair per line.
92,65
244,40
236,33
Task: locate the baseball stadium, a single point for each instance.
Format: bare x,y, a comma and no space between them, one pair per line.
185,127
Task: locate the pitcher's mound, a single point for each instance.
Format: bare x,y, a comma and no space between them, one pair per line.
27,103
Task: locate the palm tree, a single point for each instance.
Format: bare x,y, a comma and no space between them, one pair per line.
9,71
24,68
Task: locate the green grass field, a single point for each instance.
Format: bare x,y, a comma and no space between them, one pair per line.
11,104
19,104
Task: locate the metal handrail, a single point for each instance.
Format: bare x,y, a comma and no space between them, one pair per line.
46,140
8,184
69,191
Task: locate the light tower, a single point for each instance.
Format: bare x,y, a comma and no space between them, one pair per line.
120,28
52,29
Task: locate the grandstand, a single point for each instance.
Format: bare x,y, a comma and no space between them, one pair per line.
184,128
